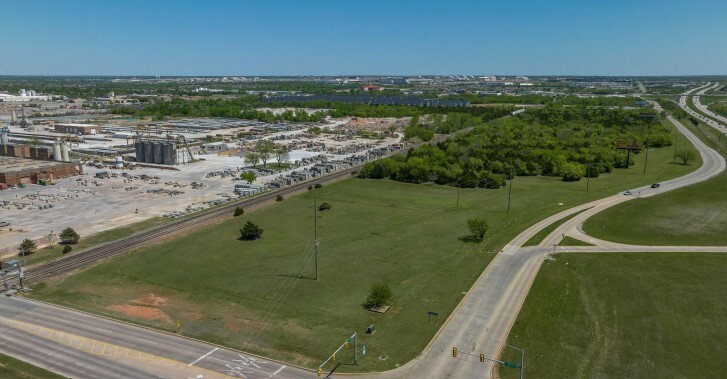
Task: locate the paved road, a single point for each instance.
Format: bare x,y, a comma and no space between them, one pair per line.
68,342
716,121
79,345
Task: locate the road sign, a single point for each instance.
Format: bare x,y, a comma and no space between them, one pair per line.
510,364
363,349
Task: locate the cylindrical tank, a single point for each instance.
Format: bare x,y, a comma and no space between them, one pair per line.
148,152
13,117
57,155
4,137
158,156
119,161
139,148
168,152
65,153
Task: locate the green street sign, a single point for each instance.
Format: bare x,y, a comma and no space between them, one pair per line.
509,364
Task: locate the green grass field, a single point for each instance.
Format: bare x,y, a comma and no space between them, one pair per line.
11,368
409,236
631,315
570,241
689,216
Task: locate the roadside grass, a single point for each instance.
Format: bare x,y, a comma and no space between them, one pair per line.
538,237
46,254
625,315
570,241
255,296
11,368
695,215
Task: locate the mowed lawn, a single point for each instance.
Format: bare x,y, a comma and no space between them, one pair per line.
630,315
259,296
11,368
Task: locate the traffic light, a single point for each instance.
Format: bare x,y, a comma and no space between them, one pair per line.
454,352
320,372
345,344
482,357
334,357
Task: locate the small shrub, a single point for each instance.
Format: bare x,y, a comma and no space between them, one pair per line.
324,206
279,198
239,211
318,185
310,188
250,231
379,295
67,249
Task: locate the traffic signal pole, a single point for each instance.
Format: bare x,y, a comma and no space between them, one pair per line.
483,358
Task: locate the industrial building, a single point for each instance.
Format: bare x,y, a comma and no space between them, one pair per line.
77,129
14,171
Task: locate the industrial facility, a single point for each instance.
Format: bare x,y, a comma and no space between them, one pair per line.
24,164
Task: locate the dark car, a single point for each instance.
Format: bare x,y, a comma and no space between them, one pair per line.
655,185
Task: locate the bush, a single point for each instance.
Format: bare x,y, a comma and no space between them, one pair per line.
27,247
318,185
279,198
478,228
310,187
379,295
69,236
250,232
324,206
67,249
239,211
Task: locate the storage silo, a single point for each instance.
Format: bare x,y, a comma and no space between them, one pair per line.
57,150
139,148
65,152
158,156
148,152
168,153
119,161
3,136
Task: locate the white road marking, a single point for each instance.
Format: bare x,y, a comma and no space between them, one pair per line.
104,330
148,341
278,372
82,365
204,356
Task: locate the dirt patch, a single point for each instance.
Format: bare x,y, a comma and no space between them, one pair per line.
152,299
137,311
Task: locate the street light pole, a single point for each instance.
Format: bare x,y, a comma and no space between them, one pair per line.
646,159
509,195
588,178
315,233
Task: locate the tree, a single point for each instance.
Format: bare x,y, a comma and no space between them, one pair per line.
252,157
250,232
51,238
69,236
239,211
282,155
379,295
67,249
265,148
478,227
684,155
324,206
27,247
248,176
279,198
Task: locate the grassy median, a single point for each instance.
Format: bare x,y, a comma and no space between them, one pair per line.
631,315
11,368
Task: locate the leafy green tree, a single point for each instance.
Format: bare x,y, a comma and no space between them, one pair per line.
252,157
67,249
248,176
238,211
27,247
265,148
379,295
250,232
684,155
282,155
69,236
478,228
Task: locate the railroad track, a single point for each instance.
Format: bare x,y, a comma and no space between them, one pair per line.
144,238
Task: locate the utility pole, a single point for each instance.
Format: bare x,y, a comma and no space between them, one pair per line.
315,233
458,185
588,177
509,195
646,159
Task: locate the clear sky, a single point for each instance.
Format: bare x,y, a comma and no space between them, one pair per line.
336,37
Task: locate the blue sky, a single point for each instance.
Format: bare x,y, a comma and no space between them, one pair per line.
336,37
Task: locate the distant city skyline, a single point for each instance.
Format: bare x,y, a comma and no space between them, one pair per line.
328,37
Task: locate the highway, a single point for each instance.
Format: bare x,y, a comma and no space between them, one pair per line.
714,120
79,345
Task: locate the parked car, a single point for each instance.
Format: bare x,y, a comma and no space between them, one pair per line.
655,185
4,223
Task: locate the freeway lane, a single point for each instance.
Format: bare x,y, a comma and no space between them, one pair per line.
80,345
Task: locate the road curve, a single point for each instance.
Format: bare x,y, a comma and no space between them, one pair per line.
480,323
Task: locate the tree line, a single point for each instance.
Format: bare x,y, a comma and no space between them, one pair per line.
569,142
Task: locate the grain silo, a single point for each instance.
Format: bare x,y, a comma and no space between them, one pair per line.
158,156
148,152
139,148
169,153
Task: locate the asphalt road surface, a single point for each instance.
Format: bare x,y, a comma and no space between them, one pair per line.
79,345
